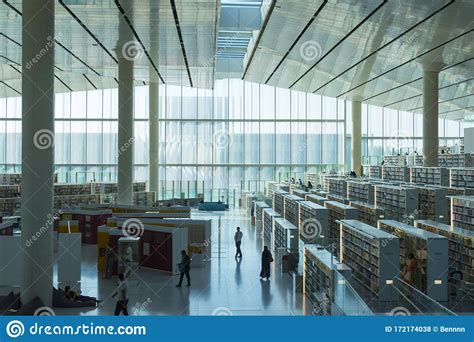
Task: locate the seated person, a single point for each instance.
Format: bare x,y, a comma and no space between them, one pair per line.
77,297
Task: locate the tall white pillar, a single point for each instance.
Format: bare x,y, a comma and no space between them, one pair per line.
127,51
357,137
154,96
430,115
37,166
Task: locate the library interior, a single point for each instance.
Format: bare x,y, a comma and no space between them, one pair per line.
236,157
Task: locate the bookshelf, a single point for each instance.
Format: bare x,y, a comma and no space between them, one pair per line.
432,203
10,178
394,160
456,160
324,179
278,200
313,222
360,191
375,171
431,252
368,213
429,175
9,206
338,198
415,160
373,255
338,211
316,199
318,277
395,173
7,191
462,177
268,217
462,212
300,193
259,206
285,236
460,252
291,208
63,189
68,201
313,178
398,203
337,186
319,192
365,170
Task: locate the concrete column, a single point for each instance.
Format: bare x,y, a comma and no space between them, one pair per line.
357,137
127,51
37,151
430,117
154,96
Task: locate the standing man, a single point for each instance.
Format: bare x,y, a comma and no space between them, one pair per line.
238,240
184,268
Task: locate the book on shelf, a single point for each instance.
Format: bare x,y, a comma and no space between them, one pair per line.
462,212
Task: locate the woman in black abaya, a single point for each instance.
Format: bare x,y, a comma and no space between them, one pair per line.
266,260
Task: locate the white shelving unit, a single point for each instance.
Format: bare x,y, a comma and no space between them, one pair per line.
368,213
316,199
259,206
395,173
278,201
462,177
285,236
290,208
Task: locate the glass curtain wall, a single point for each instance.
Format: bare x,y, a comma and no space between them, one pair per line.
215,142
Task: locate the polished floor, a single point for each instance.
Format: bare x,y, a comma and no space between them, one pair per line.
222,287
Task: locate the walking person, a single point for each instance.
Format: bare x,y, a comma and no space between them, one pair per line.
238,241
122,293
267,258
184,268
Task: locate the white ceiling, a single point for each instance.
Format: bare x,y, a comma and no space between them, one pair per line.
369,50
363,50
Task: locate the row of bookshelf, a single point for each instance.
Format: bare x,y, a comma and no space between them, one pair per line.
373,256
278,200
430,253
313,222
290,203
462,177
8,191
316,199
460,251
398,203
395,173
429,175
285,236
462,212
360,191
338,211
368,213
337,186
269,216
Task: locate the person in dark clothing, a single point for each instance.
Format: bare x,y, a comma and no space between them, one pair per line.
122,296
310,185
184,268
267,258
